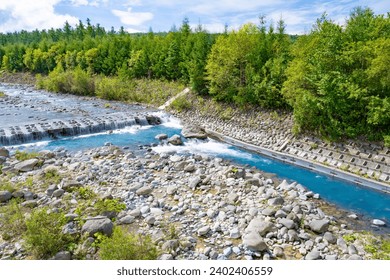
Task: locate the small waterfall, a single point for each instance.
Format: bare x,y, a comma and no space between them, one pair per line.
60,128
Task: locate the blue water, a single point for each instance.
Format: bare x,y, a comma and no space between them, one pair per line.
349,196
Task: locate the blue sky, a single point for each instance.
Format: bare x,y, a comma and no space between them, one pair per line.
140,15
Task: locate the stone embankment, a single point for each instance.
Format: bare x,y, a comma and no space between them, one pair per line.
194,207
272,131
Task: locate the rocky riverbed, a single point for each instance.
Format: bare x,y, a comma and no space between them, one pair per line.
193,206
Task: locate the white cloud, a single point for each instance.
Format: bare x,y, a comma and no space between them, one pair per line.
22,14
132,18
78,3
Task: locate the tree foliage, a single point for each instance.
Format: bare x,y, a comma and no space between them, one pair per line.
335,78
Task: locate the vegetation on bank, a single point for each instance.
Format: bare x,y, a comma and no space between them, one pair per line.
334,79
41,230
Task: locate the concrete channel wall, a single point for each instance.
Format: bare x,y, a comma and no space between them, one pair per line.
286,158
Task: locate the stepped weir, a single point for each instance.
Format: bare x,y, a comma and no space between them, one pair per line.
53,129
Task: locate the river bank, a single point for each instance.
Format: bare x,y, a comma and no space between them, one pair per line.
193,207
273,130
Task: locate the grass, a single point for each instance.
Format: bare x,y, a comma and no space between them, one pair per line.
124,245
12,221
51,176
21,155
43,236
2,94
109,205
180,104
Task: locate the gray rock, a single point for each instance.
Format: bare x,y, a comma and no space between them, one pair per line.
170,246
171,190
166,257
355,258
352,250
126,220
378,222
175,140
51,189
331,257
58,193
98,224
353,216
313,255
190,168
2,159
63,255
278,252
144,190
4,152
235,233
227,251
135,213
30,203
193,131
280,214
276,201
330,237
319,226
5,196
287,223
161,136
18,194
259,226
254,242
150,220
253,182
194,182
203,230
26,165
269,211
232,198
71,185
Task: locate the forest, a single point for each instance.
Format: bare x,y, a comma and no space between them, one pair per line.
335,79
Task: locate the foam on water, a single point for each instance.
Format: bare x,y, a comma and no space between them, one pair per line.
202,147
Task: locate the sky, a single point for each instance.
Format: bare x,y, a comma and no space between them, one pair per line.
162,15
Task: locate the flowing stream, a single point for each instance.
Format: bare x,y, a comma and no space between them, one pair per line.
357,199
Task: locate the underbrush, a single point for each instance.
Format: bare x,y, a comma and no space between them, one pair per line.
79,82
124,245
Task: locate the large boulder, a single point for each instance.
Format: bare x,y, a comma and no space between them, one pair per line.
254,242
194,131
175,140
146,190
4,152
5,196
26,165
319,226
98,224
259,226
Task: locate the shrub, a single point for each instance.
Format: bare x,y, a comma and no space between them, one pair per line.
85,193
52,176
44,236
127,246
2,94
181,104
109,205
21,155
380,249
12,222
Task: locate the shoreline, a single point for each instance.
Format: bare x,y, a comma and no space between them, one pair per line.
309,165
368,162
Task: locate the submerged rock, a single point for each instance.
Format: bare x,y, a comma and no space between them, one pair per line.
175,140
